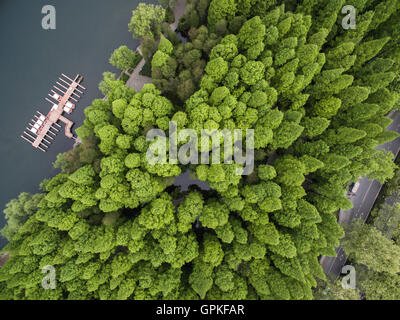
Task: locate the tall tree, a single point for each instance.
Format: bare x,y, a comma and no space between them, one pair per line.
146,20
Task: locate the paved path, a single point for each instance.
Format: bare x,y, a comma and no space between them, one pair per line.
179,11
363,203
137,81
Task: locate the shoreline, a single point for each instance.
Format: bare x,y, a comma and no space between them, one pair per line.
25,168
137,81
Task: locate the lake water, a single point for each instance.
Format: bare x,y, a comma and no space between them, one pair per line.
32,59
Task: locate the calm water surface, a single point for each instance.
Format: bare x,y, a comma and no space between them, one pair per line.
32,59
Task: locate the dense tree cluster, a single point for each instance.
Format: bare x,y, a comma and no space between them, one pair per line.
146,20
178,70
115,227
169,6
18,211
376,258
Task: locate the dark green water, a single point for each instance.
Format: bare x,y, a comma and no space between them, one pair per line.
32,59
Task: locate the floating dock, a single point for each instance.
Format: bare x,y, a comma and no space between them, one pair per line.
43,129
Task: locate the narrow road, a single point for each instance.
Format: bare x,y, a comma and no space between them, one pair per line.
179,11
363,203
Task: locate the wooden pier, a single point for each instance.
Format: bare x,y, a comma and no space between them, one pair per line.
43,129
